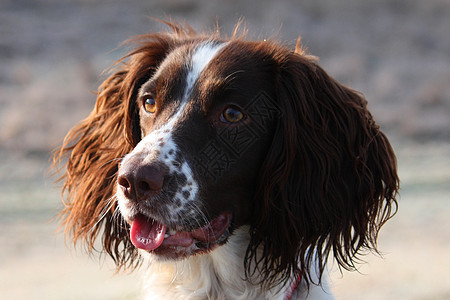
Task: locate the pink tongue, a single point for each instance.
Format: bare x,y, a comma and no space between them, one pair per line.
147,234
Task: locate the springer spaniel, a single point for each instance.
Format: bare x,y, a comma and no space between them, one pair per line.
231,168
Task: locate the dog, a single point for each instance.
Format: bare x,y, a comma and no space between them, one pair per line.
229,168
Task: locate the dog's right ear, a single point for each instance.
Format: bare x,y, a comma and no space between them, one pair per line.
329,181
92,150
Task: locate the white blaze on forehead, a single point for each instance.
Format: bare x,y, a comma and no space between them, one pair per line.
201,58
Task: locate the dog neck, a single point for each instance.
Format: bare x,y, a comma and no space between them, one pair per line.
216,275
219,274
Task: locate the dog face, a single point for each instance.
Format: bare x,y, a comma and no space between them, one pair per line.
195,136
207,123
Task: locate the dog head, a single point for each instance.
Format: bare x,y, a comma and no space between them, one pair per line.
195,136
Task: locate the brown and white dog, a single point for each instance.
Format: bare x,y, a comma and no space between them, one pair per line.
235,167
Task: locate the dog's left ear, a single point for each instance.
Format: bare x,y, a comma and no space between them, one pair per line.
329,180
92,150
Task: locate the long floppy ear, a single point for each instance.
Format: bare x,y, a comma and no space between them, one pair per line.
328,183
93,149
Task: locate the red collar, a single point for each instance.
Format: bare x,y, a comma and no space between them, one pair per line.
293,287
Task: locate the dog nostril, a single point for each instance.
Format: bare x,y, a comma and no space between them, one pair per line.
124,182
144,186
151,180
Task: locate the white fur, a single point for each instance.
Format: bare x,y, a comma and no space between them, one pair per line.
216,275
201,58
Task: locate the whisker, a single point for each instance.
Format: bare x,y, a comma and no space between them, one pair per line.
200,216
106,209
119,159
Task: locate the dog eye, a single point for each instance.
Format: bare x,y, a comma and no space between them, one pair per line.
231,115
150,105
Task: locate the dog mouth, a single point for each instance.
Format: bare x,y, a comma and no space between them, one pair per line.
153,236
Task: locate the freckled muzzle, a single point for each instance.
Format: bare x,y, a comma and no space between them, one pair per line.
159,187
166,217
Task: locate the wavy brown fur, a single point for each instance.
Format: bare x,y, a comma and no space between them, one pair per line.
329,181
94,147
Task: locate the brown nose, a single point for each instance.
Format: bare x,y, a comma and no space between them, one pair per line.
140,181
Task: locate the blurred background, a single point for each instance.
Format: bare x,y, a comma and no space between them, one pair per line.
53,52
